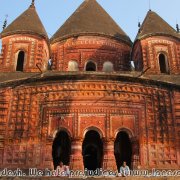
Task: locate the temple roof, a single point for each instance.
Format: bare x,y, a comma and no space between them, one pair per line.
155,25
90,18
27,23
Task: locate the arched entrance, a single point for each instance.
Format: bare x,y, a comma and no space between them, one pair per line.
61,149
92,150
122,149
20,61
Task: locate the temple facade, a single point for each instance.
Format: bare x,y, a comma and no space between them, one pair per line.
76,98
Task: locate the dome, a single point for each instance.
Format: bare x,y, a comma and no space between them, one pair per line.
90,19
27,23
155,25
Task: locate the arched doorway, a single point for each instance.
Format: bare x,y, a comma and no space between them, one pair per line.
20,61
163,64
92,150
61,149
90,66
122,149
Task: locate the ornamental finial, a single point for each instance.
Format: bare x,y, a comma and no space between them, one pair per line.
33,1
32,4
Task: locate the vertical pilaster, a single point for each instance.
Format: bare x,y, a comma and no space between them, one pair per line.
76,159
135,162
109,161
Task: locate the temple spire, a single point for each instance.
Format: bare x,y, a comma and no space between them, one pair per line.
26,23
155,25
90,18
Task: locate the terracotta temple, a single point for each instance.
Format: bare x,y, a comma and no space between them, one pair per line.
76,97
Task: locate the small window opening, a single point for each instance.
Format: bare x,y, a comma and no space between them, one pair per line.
90,66
163,64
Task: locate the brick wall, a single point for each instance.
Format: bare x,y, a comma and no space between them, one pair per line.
85,48
145,113
150,48
36,52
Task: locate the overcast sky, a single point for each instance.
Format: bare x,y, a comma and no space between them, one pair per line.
126,13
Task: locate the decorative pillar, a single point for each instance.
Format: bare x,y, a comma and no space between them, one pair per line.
76,159
47,159
109,161
135,161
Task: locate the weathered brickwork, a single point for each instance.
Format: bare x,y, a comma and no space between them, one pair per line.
5,104
146,54
35,48
176,110
37,112
90,48
75,96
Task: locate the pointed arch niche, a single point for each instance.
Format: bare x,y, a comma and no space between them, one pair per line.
20,61
163,63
